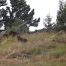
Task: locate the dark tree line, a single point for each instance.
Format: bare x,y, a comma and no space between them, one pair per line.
20,17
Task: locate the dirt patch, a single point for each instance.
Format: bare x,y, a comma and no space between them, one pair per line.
22,54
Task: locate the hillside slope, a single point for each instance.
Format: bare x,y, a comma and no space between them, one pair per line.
41,49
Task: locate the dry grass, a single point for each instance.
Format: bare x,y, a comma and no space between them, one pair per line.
40,50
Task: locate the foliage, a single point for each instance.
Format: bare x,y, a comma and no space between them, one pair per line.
2,2
47,22
61,16
19,10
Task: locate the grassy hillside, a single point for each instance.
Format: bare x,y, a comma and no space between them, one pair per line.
42,49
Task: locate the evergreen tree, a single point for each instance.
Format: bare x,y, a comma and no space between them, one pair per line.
61,16
47,23
23,12
20,11
2,2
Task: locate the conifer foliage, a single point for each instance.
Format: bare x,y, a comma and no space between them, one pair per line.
19,11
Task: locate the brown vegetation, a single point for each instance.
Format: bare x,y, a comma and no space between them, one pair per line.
40,48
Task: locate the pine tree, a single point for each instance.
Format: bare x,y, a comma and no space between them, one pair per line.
21,11
61,16
2,2
47,23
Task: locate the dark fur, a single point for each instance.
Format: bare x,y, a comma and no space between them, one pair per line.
12,33
21,39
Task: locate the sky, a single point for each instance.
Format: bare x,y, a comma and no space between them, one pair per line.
42,8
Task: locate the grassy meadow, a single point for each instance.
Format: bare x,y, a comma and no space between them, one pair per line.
41,49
